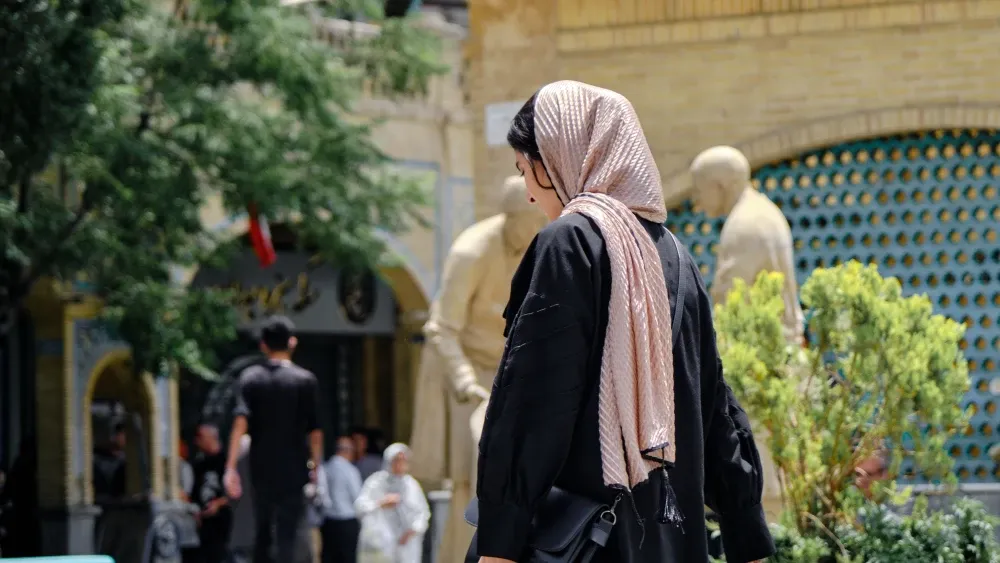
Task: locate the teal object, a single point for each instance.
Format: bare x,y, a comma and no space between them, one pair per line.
925,208
64,559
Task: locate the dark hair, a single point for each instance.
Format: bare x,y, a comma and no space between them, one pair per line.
521,136
276,332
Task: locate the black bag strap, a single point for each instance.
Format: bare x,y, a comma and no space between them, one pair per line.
683,264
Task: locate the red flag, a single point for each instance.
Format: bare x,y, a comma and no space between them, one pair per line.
260,237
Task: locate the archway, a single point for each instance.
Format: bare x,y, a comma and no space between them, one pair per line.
116,395
924,207
380,355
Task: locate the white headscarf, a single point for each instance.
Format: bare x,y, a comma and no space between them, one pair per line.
393,451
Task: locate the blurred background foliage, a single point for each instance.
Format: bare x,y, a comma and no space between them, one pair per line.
122,119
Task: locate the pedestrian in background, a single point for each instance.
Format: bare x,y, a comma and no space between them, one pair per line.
341,526
277,405
366,460
215,516
394,512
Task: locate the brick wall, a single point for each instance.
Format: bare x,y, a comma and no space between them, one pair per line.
511,51
53,409
745,71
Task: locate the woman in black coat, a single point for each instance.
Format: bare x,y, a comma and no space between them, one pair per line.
598,393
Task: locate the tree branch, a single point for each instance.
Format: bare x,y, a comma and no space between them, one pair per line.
38,267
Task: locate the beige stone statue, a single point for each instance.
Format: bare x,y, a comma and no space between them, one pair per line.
462,352
755,238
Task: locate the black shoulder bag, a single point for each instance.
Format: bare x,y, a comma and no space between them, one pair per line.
569,528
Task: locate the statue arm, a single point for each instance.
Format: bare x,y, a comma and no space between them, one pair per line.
449,315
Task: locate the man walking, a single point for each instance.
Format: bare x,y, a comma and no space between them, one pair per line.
341,526
277,406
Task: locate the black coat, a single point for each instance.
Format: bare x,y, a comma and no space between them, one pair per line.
542,425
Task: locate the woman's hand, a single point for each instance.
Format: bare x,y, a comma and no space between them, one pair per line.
406,537
390,500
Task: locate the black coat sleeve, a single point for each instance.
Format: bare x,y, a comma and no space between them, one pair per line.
539,389
733,476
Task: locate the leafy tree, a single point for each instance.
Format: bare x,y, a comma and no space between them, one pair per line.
881,371
130,118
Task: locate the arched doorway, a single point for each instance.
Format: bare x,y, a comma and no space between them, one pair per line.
924,207
355,330
119,411
118,399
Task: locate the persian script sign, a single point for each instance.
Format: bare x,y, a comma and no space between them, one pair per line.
288,296
314,295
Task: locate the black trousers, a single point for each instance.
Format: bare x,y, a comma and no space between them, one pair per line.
340,540
279,520
213,551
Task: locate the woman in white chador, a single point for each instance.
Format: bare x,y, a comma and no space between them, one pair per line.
393,511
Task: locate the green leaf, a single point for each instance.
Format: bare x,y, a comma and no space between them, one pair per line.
122,120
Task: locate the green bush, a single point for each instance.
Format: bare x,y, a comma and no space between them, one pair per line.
964,534
881,370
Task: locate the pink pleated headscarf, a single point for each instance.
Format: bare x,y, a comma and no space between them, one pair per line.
597,157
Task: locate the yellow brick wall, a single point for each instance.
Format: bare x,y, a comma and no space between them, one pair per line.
773,77
511,51
599,13
52,384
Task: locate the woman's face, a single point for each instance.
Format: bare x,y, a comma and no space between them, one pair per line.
400,465
540,190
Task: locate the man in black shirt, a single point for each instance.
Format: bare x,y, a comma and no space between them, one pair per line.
277,407
216,515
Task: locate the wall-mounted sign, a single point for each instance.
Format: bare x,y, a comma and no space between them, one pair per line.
498,118
286,296
315,296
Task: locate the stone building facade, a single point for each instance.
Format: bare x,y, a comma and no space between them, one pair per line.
772,77
78,361
871,123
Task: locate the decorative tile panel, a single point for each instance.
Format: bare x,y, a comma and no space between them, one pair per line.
925,208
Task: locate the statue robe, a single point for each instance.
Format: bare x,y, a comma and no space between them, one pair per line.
756,238
464,338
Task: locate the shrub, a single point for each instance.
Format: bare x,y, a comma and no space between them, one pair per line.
964,534
881,370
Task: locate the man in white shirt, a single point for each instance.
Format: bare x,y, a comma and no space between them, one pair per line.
341,526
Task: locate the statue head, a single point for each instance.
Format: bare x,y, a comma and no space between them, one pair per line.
524,220
720,176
